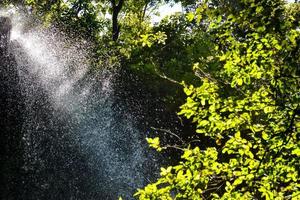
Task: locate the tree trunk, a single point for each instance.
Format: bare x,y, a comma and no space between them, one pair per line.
115,25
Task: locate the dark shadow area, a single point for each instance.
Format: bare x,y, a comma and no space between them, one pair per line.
39,157
11,106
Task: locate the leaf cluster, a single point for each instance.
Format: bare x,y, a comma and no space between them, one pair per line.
248,103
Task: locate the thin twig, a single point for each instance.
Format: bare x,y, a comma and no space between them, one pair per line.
162,75
167,131
173,147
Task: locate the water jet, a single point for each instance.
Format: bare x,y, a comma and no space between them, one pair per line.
63,136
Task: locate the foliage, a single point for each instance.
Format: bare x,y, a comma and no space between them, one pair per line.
80,17
248,102
183,46
164,64
137,33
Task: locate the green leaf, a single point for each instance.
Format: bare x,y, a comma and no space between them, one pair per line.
265,135
239,81
261,29
259,9
203,102
269,109
190,16
238,181
296,152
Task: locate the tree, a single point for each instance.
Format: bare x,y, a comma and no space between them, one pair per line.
116,8
248,103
